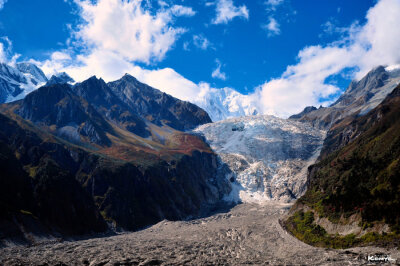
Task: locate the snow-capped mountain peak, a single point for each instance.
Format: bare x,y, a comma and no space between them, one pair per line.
30,70
16,82
226,103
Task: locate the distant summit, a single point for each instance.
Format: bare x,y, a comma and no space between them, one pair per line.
18,81
60,78
359,98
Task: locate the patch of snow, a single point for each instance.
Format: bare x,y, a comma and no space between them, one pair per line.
392,67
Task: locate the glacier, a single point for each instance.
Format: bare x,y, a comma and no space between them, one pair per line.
268,156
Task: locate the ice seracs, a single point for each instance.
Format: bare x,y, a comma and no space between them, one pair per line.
268,156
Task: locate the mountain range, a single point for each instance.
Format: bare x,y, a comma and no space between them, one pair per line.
92,156
89,157
18,81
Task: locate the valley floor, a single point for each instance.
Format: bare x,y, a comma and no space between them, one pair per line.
247,234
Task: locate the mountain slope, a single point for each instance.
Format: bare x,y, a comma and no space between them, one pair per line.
358,179
268,156
38,196
67,137
156,106
31,71
58,110
359,98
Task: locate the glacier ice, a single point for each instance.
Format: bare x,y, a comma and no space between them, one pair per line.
268,156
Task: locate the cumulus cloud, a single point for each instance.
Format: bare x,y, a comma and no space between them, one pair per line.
364,47
227,11
140,36
217,73
272,27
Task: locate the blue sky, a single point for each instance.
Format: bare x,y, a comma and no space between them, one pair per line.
247,46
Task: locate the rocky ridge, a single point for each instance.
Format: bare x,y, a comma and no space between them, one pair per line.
359,98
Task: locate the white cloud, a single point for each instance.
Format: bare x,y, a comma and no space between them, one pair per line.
2,2
6,55
178,10
201,42
3,56
126,28
272,4
217,73
272,27
226,11
365,47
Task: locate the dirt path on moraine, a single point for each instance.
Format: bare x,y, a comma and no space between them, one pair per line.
247,234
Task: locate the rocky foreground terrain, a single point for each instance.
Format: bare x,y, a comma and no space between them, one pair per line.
246,234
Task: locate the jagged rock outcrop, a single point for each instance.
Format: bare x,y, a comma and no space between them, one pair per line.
156,106
60,78
306,110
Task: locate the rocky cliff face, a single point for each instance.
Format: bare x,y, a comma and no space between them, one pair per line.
268,156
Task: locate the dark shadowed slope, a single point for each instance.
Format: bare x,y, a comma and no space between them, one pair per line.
83,144
357,182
